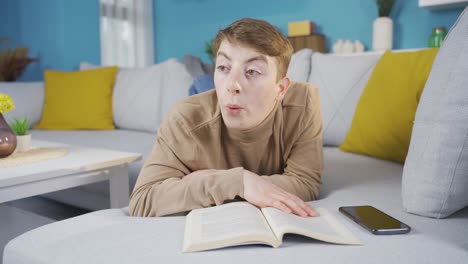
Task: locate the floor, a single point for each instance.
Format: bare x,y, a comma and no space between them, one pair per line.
23,215
47,208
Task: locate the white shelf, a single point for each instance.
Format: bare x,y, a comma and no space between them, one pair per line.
442,4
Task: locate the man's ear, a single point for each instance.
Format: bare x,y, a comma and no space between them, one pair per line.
283,86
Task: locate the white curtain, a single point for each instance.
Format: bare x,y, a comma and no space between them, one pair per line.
127,36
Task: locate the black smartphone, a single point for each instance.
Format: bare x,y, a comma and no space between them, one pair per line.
374,220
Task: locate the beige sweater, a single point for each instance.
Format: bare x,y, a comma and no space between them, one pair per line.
286,148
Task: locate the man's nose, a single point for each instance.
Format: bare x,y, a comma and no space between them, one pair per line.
234,86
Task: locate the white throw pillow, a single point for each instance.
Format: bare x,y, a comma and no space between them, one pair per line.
341,80
143,96
84,65
299,67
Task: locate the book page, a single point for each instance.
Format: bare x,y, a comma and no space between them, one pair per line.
324,227
226,225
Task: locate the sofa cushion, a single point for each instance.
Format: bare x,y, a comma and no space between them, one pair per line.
299,66
341,80
84,66
28,97
435,178
78,100
143,96
384,116
137,98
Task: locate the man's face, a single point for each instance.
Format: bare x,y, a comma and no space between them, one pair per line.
246,85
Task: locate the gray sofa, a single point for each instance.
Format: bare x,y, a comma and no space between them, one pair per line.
142,97
111,236
349,179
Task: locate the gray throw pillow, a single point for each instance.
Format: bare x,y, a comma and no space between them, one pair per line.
435,175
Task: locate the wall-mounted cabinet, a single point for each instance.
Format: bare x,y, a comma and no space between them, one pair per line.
442,4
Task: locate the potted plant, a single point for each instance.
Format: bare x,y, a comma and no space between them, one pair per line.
7,137
382,33
13,61
209,50
21,129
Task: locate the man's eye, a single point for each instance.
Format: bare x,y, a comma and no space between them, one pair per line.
222,68
252,72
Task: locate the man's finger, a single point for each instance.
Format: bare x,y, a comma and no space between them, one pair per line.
305,206
311,211
281,206
293,205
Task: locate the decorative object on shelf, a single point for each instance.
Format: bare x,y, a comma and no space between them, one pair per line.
382,34
302,35
437,37
347,46
315,42
21,129
13,61
7,137
337,46
358,46
301,28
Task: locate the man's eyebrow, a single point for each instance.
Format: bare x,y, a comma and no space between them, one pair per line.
259,58
220,53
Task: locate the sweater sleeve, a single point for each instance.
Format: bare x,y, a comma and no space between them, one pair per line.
162,188
304,165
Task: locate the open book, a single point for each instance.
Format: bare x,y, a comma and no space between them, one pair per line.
241,223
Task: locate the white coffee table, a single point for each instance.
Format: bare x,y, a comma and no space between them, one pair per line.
80,166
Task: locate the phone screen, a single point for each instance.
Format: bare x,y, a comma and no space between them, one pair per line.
375,220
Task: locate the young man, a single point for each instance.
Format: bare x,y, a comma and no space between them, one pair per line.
251,138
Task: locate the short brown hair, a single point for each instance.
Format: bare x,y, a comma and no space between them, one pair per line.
262,37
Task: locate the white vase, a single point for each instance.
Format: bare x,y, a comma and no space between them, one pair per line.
23,143
382,34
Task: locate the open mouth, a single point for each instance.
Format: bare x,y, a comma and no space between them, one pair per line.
233,109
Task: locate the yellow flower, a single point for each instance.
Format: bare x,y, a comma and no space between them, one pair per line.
6,103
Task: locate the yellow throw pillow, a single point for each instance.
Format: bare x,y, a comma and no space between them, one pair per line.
78,100
384,116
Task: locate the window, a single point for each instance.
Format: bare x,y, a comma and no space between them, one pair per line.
127,34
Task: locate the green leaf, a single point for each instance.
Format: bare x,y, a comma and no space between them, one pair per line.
20,126
384,7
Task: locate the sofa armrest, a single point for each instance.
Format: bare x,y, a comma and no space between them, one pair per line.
28,98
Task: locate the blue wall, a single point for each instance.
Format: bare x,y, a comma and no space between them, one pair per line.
59,33
62,33
9,12
182,26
